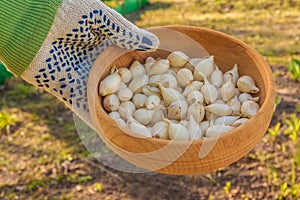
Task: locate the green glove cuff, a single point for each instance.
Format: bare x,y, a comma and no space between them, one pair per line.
24,25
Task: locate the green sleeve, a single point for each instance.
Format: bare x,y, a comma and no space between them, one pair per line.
24,26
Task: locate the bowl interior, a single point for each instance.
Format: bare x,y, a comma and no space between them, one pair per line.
226,51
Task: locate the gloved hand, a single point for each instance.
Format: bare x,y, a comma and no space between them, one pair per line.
56,42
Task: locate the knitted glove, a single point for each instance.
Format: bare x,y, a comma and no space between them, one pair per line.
52,44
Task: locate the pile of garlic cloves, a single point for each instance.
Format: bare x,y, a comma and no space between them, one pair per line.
178,98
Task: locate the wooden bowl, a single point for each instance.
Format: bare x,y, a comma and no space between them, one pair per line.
186,157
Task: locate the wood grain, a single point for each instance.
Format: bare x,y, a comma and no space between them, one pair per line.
177,157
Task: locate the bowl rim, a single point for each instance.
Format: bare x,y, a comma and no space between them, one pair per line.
269,82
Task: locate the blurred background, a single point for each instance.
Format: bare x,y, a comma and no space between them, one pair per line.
42,157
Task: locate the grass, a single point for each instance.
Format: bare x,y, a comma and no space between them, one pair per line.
5,122
291,188
227,187
294,69
272,28
293,129
288,185
113,4
274,132
278,100
38,141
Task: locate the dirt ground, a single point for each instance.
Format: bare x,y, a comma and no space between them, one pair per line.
42,157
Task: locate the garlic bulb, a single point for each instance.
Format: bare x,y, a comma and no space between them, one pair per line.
220,101
148,64
219,109
177,131
204,125
149,91
110,84
192,63
162,103
160,67
154,79
152,102
170,95
114,115
178,59
168,81
158,116
125,94
195,96
111,103
175,69
235,105
232,73
246,84
160,130
227,90
237,92
179,89
139,100
216,77
184,123
138,83
121,122
122,86
217,130
126,108
197,111
245,97
227,120
209,92
177,110
240,122
249,109
137,128
184,77
143,116
183,90
137,69
195,85
195,131
125,74
172,72
210,116
204,68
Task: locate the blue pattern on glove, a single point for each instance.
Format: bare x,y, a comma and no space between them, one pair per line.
71,57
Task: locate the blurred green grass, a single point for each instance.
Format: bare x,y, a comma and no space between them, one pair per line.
271,27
